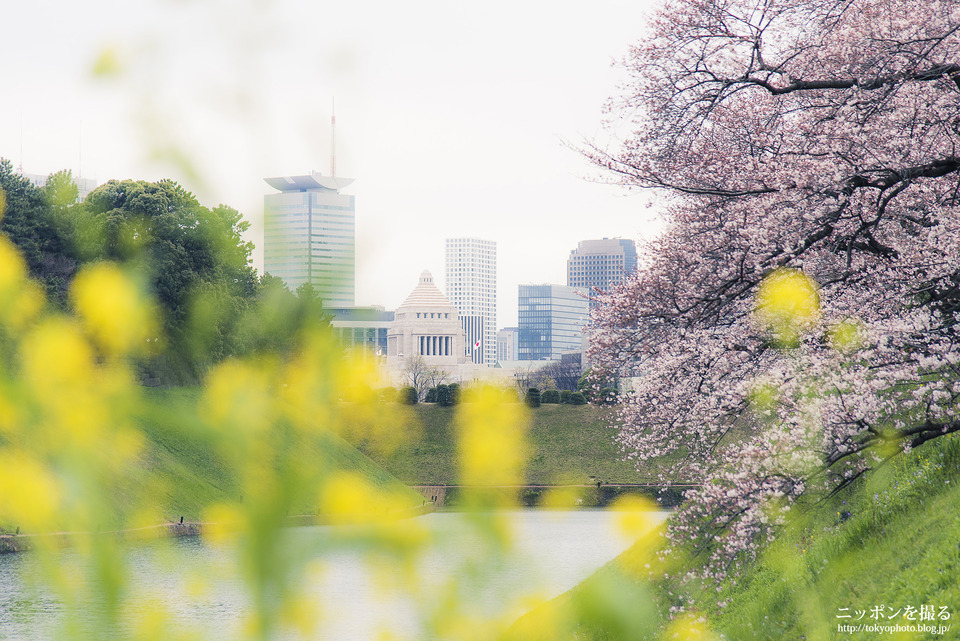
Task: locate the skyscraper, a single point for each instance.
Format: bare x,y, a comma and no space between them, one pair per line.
600,264
472,288
310,235
551,318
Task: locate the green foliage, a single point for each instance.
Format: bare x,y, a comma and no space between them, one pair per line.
577,398
408,395
550,396
532,398
890,540
456,393
565,396
430,396
388,395
192,258
34,222
608,396
448,395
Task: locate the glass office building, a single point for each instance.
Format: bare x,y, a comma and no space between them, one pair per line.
600,264
551,321
309,235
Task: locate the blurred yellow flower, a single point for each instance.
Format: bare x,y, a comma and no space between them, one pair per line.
55,353
13,269
787,302
687,627
492,444
846,335
29,493
221,521
113,309
239,397
635,515
348,497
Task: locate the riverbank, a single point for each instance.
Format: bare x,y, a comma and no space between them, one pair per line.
13,543
889,542
546,496
566,445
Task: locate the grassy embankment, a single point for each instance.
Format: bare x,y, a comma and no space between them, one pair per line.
568,444
892,541
182,472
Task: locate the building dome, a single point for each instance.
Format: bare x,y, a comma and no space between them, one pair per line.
427,324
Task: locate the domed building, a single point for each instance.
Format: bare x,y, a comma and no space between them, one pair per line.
427,325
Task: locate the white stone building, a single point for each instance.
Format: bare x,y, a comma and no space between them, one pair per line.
426,325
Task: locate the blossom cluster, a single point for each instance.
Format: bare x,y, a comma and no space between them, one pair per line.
796,137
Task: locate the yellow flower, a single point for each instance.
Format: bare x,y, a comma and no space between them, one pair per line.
686,627
239,397
13,269
787,302
113,309
636,515
29,493
492,439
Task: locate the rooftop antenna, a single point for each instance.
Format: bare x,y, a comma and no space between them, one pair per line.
333,137
20,170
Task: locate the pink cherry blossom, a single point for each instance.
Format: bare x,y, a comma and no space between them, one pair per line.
817,136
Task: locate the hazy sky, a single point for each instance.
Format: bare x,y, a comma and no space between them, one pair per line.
451,116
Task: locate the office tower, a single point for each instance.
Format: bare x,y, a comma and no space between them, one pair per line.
507,344
472,288
600,264
310,235
551,318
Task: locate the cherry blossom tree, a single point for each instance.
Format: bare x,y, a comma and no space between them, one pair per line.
797,141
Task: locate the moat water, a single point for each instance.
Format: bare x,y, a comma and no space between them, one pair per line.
201,587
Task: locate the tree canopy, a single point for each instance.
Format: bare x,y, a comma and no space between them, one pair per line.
191,259
797,322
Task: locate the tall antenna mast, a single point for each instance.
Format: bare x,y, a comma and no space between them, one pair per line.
21,143
333,137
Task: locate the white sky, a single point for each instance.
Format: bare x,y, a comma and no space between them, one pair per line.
451,116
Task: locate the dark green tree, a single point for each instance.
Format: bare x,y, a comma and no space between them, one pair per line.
456,392
608,396
532,398
550,396
30,222
193,257
408,395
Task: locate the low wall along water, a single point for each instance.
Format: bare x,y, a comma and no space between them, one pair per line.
589,496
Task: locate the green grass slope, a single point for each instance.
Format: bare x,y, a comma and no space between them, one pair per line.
185,473
879,553
568,444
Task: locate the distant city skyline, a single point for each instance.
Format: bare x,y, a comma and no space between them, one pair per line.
456,120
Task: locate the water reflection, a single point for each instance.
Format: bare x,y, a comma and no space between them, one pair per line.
203,588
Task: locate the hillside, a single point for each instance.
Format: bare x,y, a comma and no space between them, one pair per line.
873,556
182,464
568,444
